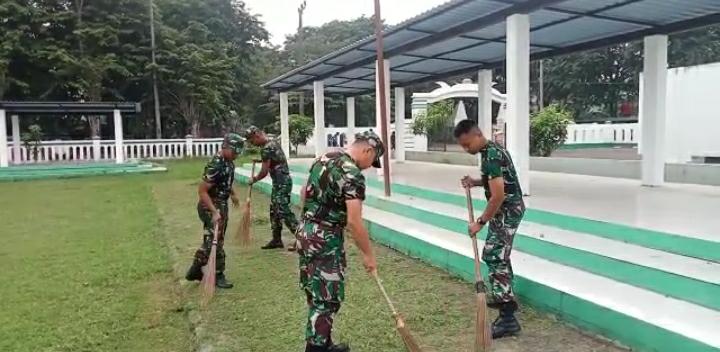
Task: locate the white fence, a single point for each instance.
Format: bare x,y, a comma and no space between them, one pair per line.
593,133
104,150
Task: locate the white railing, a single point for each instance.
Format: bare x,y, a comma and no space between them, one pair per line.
104,150
593,133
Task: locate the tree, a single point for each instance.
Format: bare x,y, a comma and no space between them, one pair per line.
548,130
437,120
301,128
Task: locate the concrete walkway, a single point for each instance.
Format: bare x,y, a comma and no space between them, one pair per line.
687,210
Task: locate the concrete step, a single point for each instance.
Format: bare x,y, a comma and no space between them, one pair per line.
612,292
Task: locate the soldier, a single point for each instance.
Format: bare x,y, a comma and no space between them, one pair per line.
275,163
504,211
214,191
333,200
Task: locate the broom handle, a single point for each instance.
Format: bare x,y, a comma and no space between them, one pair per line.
384,293
252,176
471,218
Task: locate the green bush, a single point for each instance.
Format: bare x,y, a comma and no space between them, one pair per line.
301,128
32,139
548,130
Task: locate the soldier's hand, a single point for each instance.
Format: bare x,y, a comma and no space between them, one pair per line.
467,182
216,217
474,227
235,201
369,263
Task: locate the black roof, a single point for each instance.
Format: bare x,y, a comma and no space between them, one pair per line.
463,36
49,107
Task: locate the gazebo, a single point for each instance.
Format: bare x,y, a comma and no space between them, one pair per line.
18,109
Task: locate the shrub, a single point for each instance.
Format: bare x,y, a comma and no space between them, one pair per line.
548,130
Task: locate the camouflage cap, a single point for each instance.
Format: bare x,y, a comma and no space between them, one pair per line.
250,131
375,142
235,142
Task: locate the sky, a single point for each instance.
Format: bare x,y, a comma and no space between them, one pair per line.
281,17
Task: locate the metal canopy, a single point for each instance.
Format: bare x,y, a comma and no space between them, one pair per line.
48,108
463,36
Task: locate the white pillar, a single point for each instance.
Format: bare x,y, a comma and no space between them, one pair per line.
96,148
15,119
350,108
400,124
284,124
419,107
378,120
189,145
119,152
653,111
485,104
3,140
518,96
320,137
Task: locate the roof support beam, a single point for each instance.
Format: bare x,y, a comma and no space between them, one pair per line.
487,20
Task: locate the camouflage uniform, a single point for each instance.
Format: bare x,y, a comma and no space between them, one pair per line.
333,179
496,162
282,187
221,174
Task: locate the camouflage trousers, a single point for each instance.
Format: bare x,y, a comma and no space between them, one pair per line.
496,253
280,208
203,253
322,276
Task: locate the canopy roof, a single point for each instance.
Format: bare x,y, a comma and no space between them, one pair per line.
52,108
463,36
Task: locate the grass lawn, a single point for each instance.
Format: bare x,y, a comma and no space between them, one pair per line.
96,264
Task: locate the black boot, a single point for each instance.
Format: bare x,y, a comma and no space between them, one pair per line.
339,348
332,348
221,282
506,324
276,242
313,348
195,272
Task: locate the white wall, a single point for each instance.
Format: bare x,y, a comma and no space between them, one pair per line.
693,112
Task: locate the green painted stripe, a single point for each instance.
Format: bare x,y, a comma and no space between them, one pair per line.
87,165
669,284
75,173
683,245
584,314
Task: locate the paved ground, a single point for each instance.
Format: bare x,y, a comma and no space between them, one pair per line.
689,210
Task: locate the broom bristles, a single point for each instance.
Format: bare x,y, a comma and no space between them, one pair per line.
483,335
244,236
209,277
410,344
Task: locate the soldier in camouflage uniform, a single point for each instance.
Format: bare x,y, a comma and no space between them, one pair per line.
275,163
214,191
333,200
503,212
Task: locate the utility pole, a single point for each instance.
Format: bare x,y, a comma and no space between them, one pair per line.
156,98
382,94
301,11
541,102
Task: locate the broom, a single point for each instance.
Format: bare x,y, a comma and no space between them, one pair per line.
403,330
208,281
243,233
483,337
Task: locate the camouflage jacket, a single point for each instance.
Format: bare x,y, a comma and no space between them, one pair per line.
221,174
496,162
279,171
334,178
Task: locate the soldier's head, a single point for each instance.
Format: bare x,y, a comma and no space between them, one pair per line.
255,136
469,136
232,146
367,150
